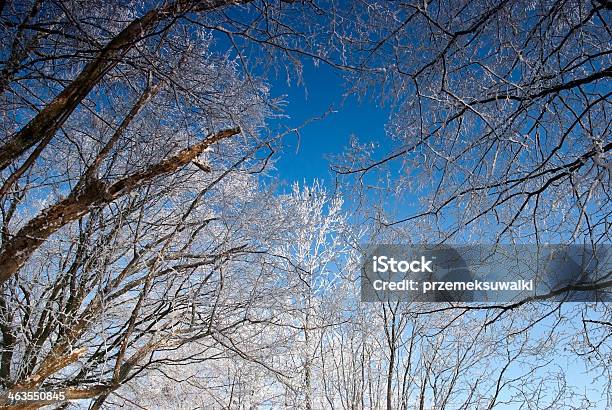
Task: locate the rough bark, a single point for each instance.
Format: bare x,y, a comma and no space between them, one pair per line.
93,193
54,114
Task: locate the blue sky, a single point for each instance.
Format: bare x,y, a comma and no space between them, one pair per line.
305,160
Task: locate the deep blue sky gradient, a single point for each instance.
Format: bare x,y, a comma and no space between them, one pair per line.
305,158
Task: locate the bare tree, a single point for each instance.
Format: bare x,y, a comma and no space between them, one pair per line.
500,115
499,132
128,131
145,258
